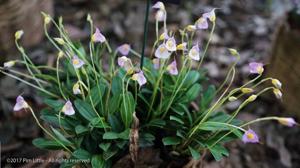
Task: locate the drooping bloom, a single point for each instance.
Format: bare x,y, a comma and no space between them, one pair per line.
68,108
250,137
159,5
247,90
194,53
276,83
98,36
76,89
172,68
160,15
191,28
182,46
201,23
140,78
77,62
156,63
256,68
125,63
19,34
9,64
290,122
232,98
124,49
60,41
251,98
164,36
171,44
162,52
277,93
210,15
20,104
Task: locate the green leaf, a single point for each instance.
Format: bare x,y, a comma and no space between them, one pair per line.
81,154
110,153
97,161
110,135
173,118
114,103
85,110
98,123
207,97
104,146
171,141
215,126
193,92
192,77
80,129
43,143
57,105
157,123
195,154
116,85
61,137
218,151
127,109
97,93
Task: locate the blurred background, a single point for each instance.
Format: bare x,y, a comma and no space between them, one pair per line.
261,30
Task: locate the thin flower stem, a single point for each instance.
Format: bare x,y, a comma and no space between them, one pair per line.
47,132
210,110
58,79
135,53
23,74
30,84
207,44
246,124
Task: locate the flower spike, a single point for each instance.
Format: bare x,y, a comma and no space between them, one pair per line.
277,93
160,15
276,83
125,63
9,64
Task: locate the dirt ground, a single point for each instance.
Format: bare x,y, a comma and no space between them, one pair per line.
248,26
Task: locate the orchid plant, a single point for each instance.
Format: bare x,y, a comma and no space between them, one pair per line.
98,114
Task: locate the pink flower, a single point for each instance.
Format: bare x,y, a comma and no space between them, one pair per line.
250,137
125,63
160,15
256,68
124,49
210,15
172,68
68,108
202,23
77,63
290,122
140,78
156,63
98,36
20,104
194,53
162,52
171,44
159,5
